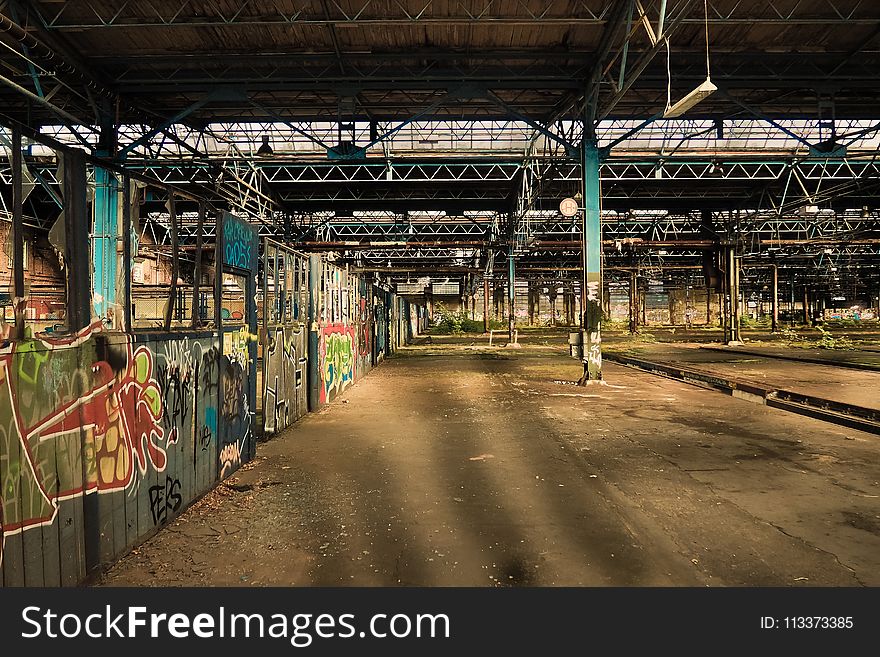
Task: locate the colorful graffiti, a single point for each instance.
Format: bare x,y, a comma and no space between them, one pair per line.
380,322
105,436
104,415
365,328
336,351
230,458
100,416
236,345
239,243
236,436
284,399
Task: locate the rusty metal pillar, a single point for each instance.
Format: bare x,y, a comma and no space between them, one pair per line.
17,235
807,306
76,252
485,305
175,263
195,316
538,304
531,297
511,294
733,265
566,308
775,299
633,302
643,305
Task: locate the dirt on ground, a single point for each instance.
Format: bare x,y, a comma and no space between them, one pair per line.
457,464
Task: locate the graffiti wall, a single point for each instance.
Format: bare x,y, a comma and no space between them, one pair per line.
380,325
337,360
285,396
104,438
350,345
365,327
240,243
285,345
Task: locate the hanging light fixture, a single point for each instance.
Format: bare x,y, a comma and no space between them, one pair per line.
696,96
265,148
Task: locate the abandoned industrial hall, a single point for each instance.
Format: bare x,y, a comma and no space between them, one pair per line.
440,293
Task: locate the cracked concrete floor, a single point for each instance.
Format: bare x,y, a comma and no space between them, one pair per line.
463,465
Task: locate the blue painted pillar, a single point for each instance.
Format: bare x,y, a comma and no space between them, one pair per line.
104,255
591,283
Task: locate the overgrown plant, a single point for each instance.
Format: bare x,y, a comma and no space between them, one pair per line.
825,341
643,336
828,341
790,336
448,322
747,321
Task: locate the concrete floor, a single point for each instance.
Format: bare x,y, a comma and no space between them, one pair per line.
457,464
849,386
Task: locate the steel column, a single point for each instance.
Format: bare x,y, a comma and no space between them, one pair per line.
511,294
126,253
633,303
314,308
775,299
218,278
17,234
531,298
175,264
195,317
104,244
591,285
733,264
485,305
76,232
807,321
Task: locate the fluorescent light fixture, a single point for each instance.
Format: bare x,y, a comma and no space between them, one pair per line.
696,96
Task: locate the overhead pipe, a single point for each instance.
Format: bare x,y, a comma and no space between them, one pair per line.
40,100
17,32
61,62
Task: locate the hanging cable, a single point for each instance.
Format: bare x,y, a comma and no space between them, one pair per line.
668,76
706,7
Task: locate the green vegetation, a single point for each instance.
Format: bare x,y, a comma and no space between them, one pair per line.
447,322
826,340
746,321
615,324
